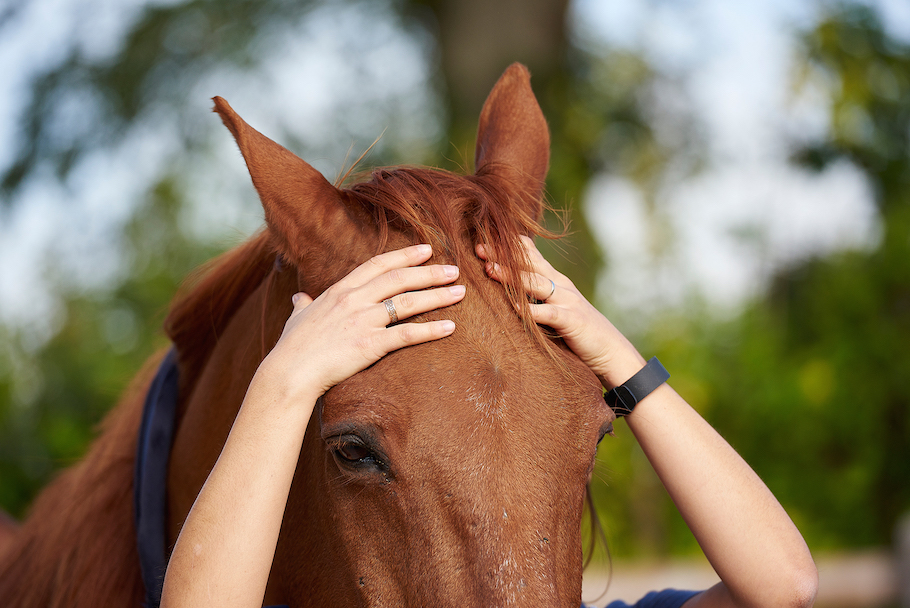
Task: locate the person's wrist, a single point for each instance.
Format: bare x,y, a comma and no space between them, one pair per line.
618,368
287,385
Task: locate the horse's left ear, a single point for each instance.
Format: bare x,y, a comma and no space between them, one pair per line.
513,140
310,220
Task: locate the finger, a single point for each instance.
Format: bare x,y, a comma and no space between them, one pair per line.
413,303
409,334
536,285
538,262
539,287
391,260
401,280
549,315
534,256
300,301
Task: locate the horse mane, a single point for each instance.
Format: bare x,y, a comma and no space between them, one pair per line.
210,296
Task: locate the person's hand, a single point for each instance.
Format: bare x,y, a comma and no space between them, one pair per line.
561,306
348,327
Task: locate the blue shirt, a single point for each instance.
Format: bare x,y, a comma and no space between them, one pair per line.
668,598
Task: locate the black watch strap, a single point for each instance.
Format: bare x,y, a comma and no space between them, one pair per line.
623,398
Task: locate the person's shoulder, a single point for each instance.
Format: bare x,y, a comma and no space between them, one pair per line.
668,598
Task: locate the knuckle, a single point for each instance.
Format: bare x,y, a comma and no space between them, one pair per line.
575,297
396,276
406,300
547,313
365,344
343,297
407,333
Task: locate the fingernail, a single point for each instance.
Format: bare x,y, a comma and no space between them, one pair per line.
448,326
424,249
457,290
295,298
450,271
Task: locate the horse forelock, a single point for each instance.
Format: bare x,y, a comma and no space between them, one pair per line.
454,213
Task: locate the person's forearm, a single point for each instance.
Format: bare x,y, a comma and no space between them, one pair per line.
746,535
225,549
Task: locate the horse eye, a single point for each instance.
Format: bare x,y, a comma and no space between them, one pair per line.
353,452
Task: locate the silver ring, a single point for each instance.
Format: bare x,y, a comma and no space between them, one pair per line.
390,308
552,289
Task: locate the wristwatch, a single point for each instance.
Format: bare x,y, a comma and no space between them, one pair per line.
623,398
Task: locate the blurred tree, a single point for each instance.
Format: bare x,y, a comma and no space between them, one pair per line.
810,383
849,315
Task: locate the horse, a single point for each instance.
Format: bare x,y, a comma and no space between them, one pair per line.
476,449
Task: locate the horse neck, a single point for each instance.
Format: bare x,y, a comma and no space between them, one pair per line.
210,402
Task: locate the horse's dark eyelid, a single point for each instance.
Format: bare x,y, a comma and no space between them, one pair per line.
606,431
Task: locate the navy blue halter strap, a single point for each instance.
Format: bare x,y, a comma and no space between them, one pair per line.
149,488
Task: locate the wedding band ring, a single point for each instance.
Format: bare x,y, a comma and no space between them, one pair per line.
390,308
552,289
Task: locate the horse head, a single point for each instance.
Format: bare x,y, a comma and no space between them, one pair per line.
452,473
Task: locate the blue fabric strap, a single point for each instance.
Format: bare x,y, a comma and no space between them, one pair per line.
150,482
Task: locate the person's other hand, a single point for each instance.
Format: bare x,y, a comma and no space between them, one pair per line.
557,303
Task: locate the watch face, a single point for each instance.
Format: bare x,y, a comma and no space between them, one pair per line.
621,400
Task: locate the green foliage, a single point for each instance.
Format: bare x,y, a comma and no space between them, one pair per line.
597,124
52,400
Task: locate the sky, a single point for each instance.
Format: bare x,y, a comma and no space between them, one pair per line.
733,224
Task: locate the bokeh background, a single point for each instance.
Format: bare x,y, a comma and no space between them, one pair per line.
737,176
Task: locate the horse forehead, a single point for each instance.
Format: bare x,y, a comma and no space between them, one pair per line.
474,385
491,375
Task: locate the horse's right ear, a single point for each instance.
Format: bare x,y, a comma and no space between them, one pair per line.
305,213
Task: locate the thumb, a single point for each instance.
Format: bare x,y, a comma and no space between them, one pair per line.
300,301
